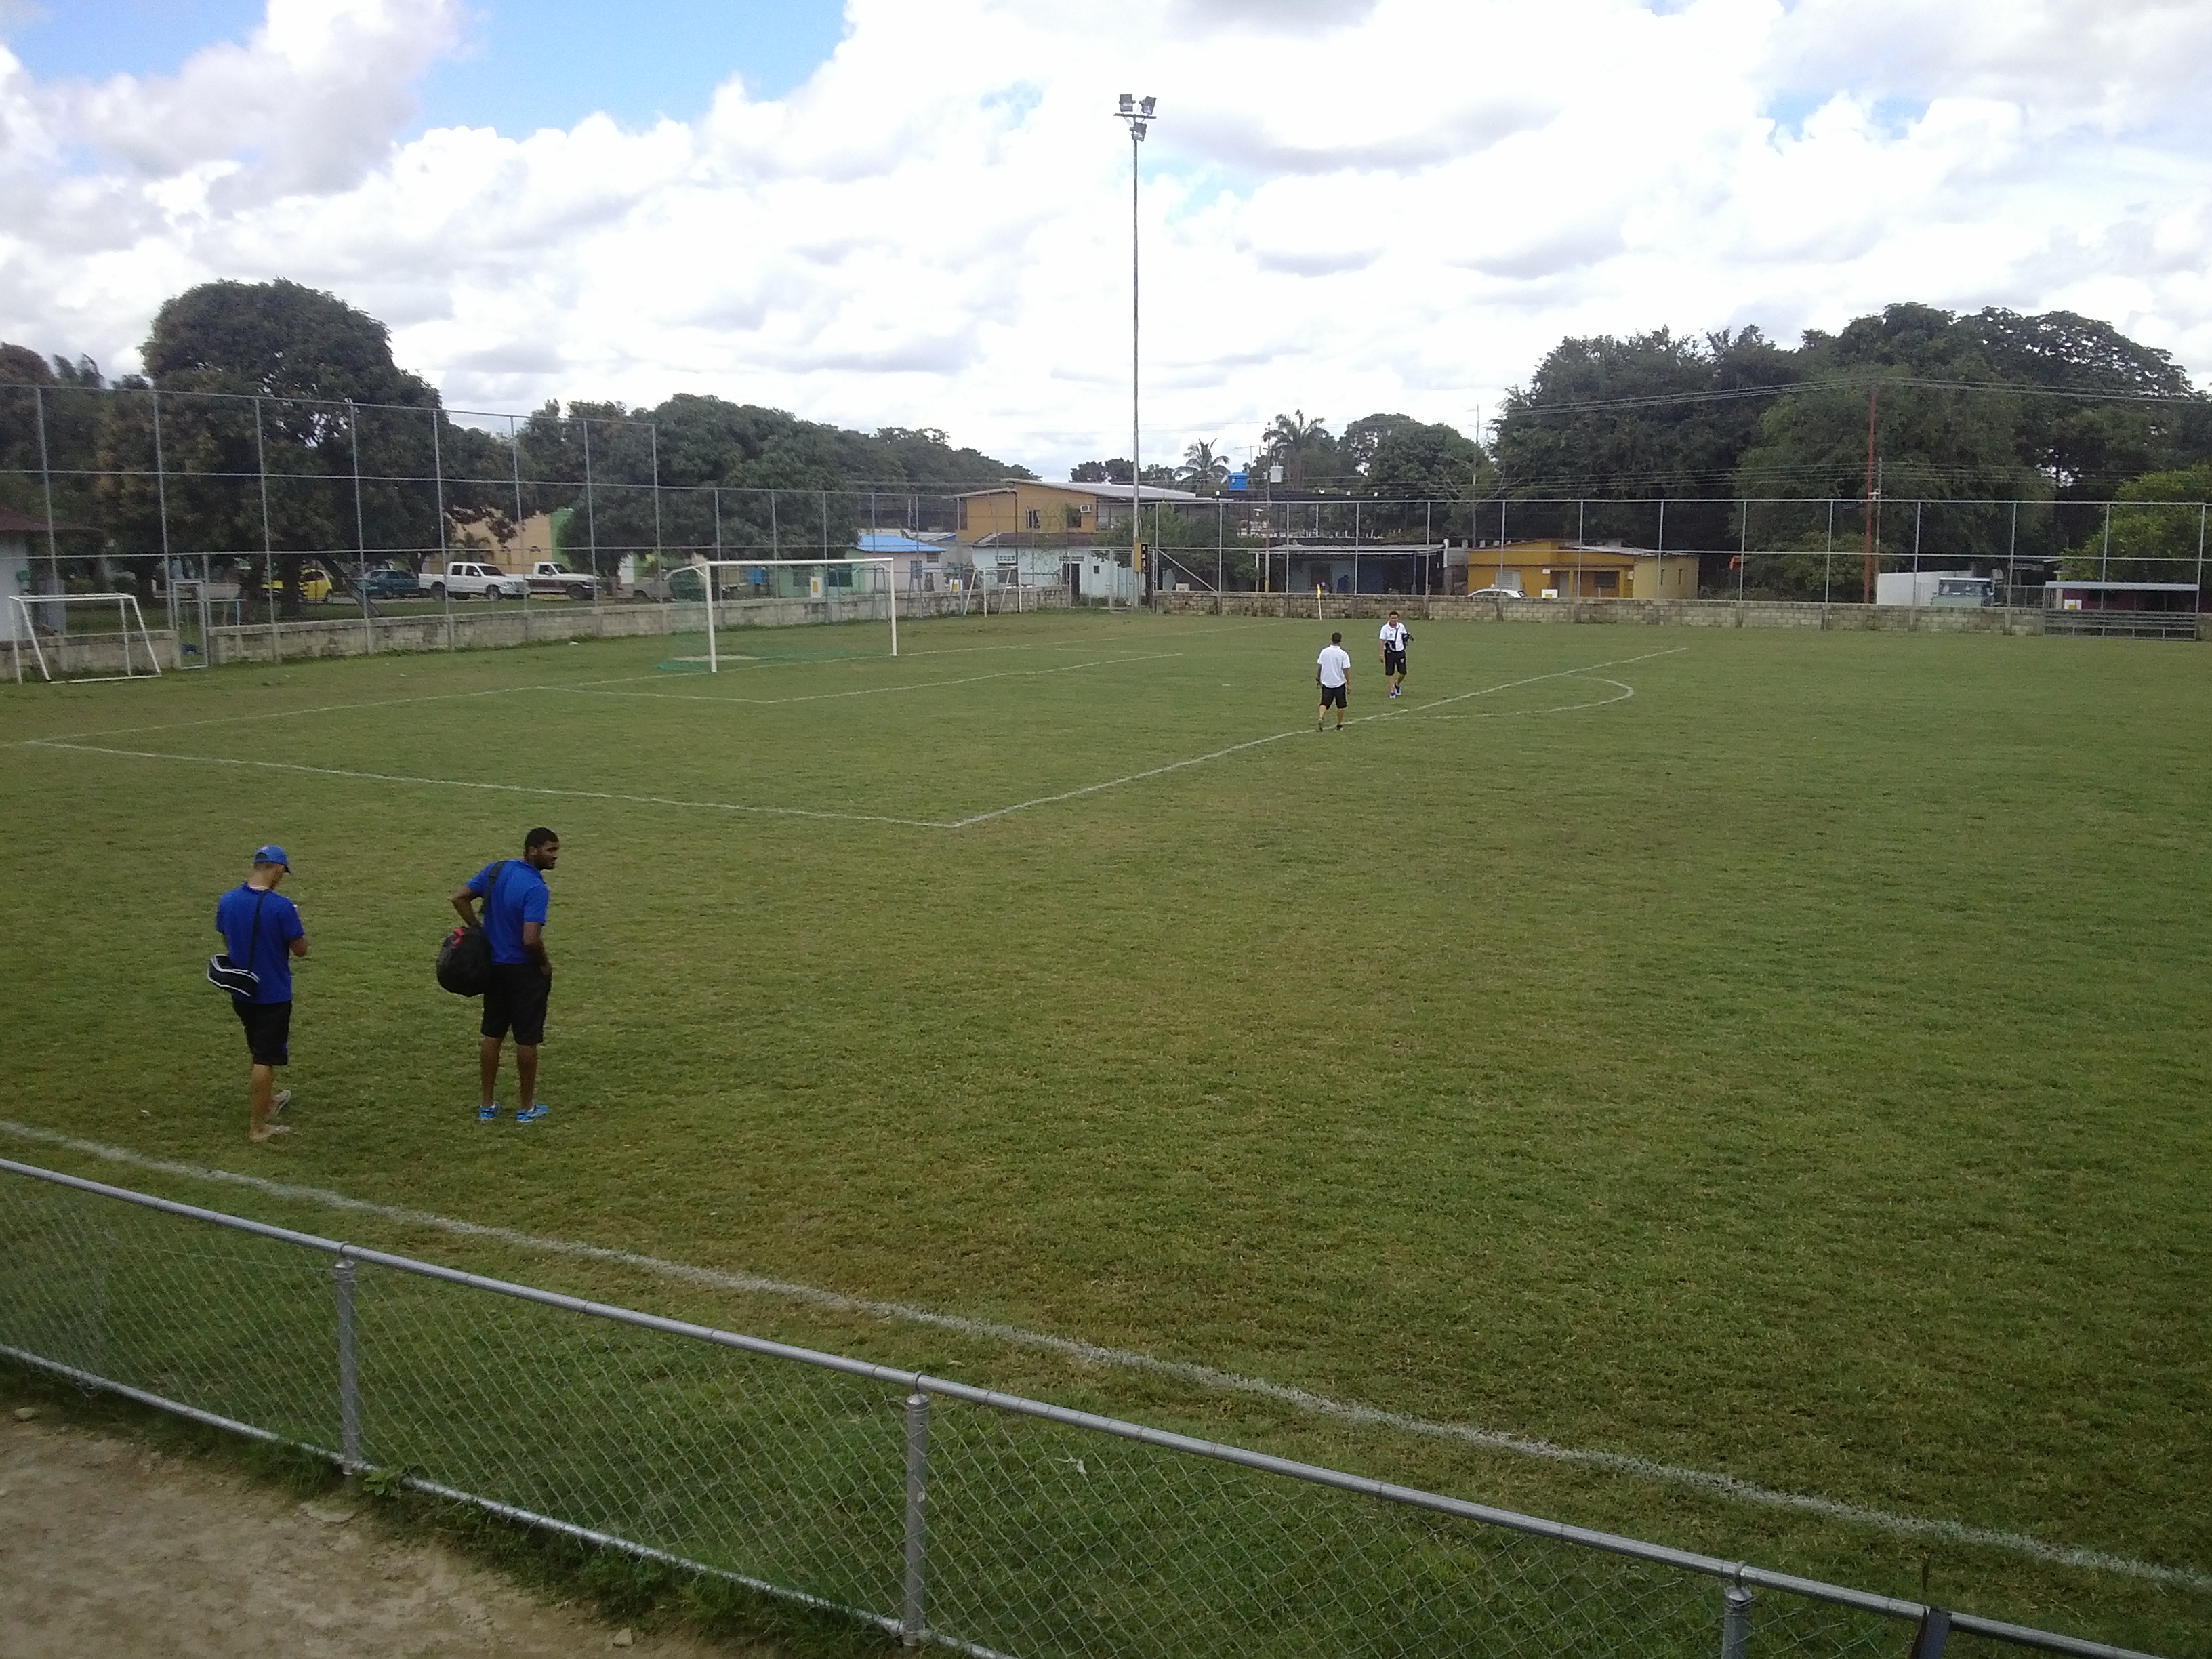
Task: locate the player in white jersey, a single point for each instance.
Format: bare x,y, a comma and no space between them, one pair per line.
1393,653
1333,671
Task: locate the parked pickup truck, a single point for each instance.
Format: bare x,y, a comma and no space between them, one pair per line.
548,577
472,581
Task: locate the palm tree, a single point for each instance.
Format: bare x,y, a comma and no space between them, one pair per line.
1201,469
1287,440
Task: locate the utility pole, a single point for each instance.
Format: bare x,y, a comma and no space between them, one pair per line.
1138,114
1874,395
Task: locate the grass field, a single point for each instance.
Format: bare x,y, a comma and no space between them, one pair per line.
1776,1055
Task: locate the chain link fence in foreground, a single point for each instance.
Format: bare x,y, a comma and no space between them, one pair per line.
942,1513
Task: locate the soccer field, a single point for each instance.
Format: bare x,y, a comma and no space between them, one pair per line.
1774,1056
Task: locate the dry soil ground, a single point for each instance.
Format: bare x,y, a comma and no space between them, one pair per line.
110,1546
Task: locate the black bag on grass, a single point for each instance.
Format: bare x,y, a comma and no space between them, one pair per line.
465,959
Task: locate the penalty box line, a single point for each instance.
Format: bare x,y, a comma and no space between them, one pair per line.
1205,1377
301,769
1277,736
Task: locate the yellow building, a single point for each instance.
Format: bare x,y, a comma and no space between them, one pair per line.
1569,570
1023,508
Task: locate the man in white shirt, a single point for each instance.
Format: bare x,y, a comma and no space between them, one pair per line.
1333,670
1393,652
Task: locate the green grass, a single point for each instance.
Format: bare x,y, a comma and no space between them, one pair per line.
1793,1071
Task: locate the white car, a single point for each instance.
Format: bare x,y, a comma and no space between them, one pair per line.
1498,594
469,580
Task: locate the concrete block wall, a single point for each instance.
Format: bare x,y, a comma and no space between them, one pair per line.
1649,613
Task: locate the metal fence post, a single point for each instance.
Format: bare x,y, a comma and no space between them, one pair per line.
1735,1621
912,1626
349,1370
1934,1631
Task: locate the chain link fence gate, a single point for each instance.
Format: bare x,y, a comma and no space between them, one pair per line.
942,1513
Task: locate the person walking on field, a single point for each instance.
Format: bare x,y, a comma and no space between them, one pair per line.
1393,653
1333,670
262,932
515,900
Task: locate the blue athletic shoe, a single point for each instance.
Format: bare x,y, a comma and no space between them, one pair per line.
486,1114
531,1113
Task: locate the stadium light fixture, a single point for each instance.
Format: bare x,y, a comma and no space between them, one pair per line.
1138,117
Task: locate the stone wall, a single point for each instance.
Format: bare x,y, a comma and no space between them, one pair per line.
81,656
473,628
1649,613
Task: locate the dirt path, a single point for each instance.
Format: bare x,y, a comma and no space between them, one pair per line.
110,1546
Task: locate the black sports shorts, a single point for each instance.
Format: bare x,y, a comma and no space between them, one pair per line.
1394,662
1332,695
268,1030
514,998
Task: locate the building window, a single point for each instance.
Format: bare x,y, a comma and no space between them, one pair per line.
1074,516
1608,581
1033,518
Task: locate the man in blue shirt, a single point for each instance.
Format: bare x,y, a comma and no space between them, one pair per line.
262,931
515,900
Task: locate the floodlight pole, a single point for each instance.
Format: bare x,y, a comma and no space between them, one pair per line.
1138,114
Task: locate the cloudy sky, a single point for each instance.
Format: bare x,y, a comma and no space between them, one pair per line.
916,212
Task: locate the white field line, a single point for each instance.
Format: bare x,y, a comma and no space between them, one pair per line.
860,691
278,714
1277,736
1206,1377
497,788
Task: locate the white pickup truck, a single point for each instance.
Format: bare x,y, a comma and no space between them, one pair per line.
471,580
547,576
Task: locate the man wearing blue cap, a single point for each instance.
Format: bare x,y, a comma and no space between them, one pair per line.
262,932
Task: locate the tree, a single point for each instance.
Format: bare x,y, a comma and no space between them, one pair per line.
2158,536
1203,470
1304,449
1415,460
289,379
1361,436
1649,415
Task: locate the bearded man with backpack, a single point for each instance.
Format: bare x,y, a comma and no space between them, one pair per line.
515,901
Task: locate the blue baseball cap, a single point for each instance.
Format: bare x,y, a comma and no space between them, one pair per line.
271,853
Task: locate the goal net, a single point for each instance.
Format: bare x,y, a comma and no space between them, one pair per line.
87,649
722,597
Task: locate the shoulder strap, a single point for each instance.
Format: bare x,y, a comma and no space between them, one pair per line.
253,933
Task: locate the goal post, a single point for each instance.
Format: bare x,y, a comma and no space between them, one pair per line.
863,582
22,629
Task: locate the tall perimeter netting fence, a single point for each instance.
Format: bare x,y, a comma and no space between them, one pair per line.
244,527
940,1512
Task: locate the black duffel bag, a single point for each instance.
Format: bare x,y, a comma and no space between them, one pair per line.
465,959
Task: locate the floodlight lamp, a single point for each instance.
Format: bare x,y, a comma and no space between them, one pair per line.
1146,106
1127,103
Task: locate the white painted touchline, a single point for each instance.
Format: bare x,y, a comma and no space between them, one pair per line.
1207,1376
858,692
501,788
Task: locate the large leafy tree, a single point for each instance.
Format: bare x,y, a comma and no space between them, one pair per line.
1653,414
288,381
1304,449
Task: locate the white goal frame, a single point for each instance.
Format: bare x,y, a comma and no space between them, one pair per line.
126,608
889,566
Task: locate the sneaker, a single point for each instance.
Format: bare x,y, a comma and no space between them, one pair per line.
532,1112
278,1102
486,1114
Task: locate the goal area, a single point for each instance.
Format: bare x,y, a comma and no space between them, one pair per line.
128,652
752,593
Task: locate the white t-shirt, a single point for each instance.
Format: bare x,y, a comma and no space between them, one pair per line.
1394,636
1335,665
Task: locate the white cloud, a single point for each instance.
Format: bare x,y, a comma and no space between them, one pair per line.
1350,204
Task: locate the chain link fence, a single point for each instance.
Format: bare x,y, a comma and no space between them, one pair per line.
942,1513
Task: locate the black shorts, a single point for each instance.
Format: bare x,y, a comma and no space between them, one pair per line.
1332,695
514,998
1394,662
268,1030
